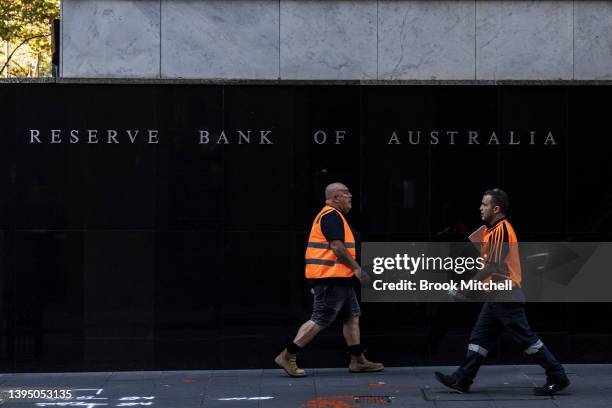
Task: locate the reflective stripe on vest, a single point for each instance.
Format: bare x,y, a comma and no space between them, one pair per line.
324,245
321,262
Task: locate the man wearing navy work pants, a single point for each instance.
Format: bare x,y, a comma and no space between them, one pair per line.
504,311
493,319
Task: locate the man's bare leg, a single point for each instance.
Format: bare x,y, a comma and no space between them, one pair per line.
352,335
306,333
351,332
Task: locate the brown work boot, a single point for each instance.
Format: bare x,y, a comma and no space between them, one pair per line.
288,362
360,364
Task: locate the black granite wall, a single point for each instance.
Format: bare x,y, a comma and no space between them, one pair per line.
176,254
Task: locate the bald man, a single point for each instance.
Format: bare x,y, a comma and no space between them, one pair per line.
333,272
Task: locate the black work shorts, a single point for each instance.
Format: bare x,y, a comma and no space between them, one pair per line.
331,301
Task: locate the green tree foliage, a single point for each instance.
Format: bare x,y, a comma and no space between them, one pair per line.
25,36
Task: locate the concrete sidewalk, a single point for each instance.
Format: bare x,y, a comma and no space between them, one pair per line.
496,386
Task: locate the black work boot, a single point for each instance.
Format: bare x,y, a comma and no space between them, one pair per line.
551,387
556,378
450,381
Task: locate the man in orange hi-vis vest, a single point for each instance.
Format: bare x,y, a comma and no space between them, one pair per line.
501,254
332,271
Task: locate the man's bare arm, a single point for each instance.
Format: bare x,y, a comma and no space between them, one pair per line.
344,257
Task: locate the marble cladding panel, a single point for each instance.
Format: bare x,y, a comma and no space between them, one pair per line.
110,38
339,39
426,40
235,39
328,39
593,40
524,40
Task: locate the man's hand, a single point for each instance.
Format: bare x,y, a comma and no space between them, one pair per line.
457,294
461,295
361,275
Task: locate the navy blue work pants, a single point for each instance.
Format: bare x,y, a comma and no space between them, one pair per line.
494,318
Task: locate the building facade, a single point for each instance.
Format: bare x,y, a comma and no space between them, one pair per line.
158,194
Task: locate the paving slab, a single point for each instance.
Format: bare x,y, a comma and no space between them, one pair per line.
496,387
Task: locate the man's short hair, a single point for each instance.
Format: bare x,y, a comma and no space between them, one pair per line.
499,198
332,189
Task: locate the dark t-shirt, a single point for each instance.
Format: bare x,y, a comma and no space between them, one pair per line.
333,229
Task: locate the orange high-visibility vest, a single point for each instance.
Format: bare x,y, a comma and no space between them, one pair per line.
321,262
500,247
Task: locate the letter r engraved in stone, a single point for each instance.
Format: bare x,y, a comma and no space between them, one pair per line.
34,133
